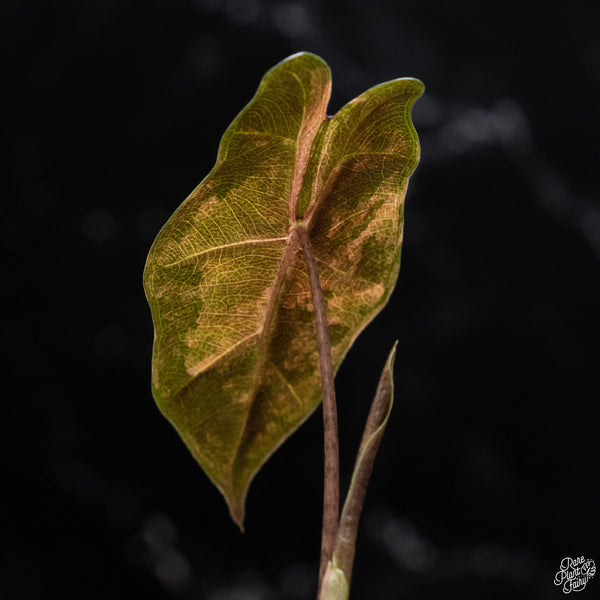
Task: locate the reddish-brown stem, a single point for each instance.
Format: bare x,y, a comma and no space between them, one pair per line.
331,491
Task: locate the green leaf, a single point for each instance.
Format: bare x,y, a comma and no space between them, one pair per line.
235,362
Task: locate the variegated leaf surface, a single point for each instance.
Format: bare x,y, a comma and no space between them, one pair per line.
235,361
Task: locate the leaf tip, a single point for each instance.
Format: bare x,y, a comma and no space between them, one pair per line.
392,355
237,511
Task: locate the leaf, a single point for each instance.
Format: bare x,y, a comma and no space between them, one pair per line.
235,362
381,407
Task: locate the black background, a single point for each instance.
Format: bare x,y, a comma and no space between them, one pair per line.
488,473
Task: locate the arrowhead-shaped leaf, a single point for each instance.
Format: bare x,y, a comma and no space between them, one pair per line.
235,362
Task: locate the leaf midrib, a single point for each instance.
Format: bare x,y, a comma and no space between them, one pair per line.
271,307
301,160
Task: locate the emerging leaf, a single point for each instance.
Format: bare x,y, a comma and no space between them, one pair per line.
235,362
345,545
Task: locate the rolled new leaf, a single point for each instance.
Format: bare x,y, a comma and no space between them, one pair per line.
345,546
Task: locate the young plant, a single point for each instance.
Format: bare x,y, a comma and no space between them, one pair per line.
263,278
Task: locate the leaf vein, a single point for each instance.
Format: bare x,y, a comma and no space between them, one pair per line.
190,257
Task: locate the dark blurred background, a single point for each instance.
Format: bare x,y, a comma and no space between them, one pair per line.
488,473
